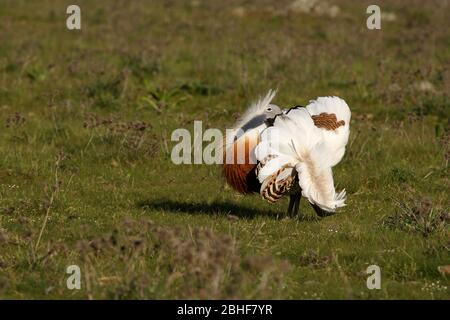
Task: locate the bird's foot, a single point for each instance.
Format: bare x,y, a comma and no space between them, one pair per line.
322,213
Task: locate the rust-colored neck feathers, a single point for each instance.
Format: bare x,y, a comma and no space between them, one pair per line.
239,167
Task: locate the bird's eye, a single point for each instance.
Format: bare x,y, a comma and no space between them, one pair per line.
269,109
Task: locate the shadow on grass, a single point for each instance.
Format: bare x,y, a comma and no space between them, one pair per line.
214,208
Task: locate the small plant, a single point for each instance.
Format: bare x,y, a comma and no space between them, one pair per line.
15,120
18,134
419,216
36,73
200,88
313,259
142,67
400,175
106,92
160,99
51,195
443,138
131,135
4,238
435,105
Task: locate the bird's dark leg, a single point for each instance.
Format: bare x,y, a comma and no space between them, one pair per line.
297,198
291,204
294,204
320,212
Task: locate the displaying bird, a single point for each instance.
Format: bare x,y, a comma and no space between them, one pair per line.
239,157
289,152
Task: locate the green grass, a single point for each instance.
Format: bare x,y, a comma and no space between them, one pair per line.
86,118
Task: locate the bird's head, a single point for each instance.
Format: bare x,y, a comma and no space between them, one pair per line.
272,111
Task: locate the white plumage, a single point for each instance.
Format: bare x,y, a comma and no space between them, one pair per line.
296,142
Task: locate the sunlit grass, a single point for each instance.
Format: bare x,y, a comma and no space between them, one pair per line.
104,101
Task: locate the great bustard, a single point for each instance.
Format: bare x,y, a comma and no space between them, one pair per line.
291,152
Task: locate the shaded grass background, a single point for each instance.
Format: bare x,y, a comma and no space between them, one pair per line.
80,95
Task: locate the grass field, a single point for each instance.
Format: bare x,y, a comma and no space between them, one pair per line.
86,176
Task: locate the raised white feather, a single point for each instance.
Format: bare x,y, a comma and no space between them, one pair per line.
252,121
311,151
255,108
